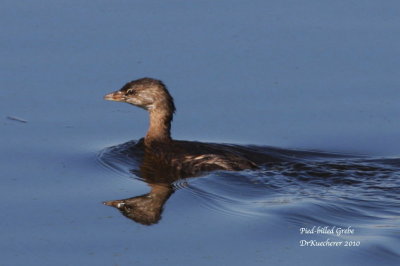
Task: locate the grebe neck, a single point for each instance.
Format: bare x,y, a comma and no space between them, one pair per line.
159,128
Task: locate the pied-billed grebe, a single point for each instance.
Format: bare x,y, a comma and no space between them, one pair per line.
188,158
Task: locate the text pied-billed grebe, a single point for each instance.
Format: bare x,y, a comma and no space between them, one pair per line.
188,158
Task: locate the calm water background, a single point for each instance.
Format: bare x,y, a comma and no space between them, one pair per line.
292,74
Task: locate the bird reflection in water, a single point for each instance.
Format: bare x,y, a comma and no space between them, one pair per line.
160,170
146,209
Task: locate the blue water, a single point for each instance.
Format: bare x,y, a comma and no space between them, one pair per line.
293,75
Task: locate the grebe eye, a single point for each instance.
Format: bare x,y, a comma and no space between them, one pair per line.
130,92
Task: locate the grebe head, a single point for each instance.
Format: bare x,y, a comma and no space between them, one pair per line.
147,93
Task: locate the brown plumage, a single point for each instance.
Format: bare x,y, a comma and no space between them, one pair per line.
183,157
